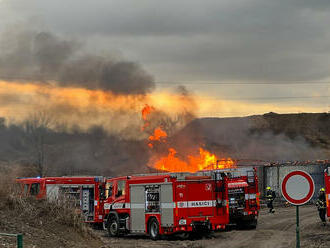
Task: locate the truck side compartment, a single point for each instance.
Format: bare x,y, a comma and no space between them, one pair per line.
85,193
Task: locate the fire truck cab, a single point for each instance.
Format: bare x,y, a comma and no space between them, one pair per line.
327,189
165,204
243,194
32,187
86,193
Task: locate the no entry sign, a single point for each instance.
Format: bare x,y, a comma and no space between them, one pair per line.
298,187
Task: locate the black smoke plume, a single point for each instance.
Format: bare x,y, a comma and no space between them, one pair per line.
43,56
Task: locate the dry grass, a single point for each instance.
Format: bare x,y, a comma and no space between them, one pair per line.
7,182
41,212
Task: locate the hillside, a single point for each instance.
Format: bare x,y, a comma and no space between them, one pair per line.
270,136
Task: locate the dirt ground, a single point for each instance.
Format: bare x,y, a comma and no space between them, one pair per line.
273,231
40,232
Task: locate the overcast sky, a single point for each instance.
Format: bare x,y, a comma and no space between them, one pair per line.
195,41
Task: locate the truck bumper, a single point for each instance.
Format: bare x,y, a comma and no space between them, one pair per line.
201,226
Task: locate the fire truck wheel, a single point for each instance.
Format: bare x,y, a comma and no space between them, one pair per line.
113,227
246,225
183,235
253,224
154,229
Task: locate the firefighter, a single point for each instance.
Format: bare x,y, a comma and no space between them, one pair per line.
270,195
321,205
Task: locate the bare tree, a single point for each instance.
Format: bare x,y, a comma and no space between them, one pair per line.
37,129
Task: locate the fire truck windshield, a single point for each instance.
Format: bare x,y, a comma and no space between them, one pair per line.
26,188
108,189
35,187
121,188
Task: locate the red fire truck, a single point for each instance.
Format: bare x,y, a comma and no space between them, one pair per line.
243,196
87,193
327,189
157,204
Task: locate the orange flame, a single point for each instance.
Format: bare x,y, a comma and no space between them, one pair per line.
159,135
203,161
146,111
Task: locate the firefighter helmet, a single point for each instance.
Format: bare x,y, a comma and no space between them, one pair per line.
322,189
268,188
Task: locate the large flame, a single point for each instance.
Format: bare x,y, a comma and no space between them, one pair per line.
204,160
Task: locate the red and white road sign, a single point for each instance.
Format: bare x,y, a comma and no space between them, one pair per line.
298,187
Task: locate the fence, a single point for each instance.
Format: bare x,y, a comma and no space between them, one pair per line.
19,238
272,176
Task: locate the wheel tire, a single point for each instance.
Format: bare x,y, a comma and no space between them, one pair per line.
183,235
113,227
154,229
247,225
253,224
241,225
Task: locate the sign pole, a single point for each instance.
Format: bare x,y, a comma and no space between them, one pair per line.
297,188
297,228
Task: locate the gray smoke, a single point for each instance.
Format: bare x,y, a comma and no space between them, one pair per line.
270,137
42,56
40,150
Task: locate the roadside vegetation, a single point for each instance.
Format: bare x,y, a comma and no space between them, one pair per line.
43,223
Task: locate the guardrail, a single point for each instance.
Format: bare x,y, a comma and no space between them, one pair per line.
19,238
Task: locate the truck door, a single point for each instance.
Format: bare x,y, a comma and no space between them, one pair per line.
137,196
201,200
167,205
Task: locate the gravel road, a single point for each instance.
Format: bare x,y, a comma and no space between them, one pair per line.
273,231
